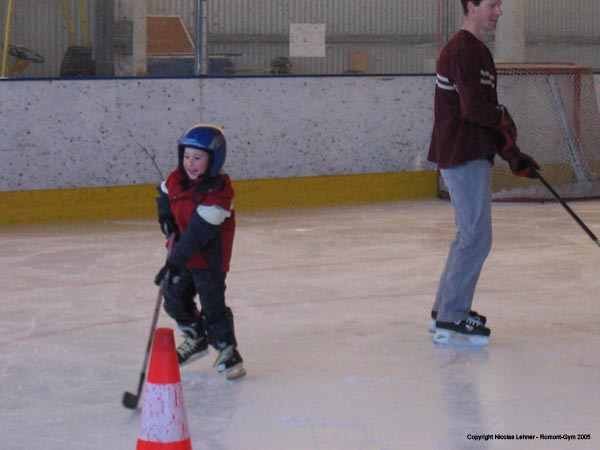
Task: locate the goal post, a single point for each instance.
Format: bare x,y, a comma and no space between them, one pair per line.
556,112
555,109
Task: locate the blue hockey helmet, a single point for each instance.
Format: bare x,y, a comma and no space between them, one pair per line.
209,138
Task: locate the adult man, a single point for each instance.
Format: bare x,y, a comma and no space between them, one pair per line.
470,127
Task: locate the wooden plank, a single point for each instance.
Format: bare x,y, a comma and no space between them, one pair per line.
167,35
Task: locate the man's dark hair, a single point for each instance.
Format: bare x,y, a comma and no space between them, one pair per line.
464,4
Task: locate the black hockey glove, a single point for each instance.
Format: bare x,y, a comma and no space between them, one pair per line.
523,165
169,272
168,226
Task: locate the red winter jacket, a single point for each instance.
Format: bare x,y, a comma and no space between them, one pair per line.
203,211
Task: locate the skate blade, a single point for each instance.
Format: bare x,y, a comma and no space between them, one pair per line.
194,357
234,372
447,337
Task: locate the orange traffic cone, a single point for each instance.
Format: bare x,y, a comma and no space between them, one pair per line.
164,420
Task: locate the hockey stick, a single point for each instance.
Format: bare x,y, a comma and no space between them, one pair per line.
131,400
569,210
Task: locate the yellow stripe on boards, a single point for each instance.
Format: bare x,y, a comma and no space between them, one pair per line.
125,202
334,190
67,205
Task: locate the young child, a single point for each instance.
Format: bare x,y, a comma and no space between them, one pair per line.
195,204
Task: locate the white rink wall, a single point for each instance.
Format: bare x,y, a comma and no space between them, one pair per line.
89,133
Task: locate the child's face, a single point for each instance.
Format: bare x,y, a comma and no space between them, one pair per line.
195,162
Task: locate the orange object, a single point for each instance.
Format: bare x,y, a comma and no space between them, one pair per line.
164,420
167,36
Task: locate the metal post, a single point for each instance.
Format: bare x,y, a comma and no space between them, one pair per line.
510,34
69,22
6,38
201,59
447,22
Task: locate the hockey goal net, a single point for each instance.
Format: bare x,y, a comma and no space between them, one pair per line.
556,112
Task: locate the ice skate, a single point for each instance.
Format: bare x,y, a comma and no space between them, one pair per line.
472,314
466,332
230,363
192,348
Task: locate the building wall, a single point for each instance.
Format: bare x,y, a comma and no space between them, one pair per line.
402,36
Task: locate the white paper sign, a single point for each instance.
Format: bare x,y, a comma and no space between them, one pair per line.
307,40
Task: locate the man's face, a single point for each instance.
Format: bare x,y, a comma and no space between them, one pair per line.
486,15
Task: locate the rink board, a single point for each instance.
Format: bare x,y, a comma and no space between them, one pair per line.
65,205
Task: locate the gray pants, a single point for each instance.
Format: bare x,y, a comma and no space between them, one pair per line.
470,191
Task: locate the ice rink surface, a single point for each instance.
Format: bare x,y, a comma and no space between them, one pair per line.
332,309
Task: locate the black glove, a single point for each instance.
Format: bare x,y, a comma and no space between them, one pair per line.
170,273
168,225
523,165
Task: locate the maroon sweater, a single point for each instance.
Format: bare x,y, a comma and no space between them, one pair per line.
466,103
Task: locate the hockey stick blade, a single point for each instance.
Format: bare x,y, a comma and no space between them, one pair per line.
580,222
130,401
